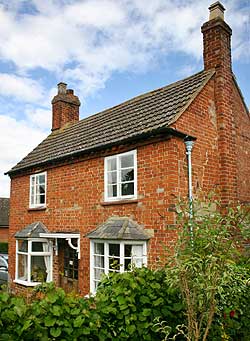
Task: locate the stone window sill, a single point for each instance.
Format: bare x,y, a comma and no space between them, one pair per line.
40,208
119,202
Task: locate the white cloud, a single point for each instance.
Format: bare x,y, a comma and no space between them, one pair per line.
39,117
17,139
84,42
21,88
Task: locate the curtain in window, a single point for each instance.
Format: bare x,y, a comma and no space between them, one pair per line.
137,255
46,261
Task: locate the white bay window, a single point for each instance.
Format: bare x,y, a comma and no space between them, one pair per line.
115,256
121,176
33,261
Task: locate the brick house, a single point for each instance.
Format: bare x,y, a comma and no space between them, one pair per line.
4,219
98,194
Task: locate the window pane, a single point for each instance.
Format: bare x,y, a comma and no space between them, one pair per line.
22,267
39,247
114,264
127,265
128,189
23,245
127,161
112,177
42,189
98,274
112,164
114,250
99,261
38,268
127,175
114,257
112,191
32,200
99,248
128,250
41,179
41,199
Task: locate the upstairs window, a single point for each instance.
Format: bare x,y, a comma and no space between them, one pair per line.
38,190
121,176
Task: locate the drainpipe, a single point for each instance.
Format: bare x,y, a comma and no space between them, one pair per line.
189,143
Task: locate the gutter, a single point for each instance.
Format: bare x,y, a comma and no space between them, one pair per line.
136,138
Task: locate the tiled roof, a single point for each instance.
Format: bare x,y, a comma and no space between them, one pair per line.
140,115
32,230
119,228
4,211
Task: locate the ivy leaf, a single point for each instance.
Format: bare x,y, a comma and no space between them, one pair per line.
55,332
49,321
78,322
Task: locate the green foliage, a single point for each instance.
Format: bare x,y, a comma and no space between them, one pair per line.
124,308
4,248
56,316
205,265
129,304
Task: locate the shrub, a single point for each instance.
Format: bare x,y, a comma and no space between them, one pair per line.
130,303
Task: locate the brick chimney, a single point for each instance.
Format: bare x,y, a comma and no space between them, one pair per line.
217,55
65,107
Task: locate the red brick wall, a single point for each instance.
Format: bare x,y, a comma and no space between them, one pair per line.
242,128
4,234
200,120
75,192
217,55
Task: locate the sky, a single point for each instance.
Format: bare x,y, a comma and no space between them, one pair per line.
106,50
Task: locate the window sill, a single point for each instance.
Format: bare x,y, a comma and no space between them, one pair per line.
119,202
39,208
26,284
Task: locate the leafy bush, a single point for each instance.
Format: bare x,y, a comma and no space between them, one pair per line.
56,316
130,303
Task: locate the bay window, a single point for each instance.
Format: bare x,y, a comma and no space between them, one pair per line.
121,176
33,261
115,256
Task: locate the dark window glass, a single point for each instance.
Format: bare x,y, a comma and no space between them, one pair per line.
128,189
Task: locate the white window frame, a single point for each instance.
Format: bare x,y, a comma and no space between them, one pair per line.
106,255
30,254
37,205
119,183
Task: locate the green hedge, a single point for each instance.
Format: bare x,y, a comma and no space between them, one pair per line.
126,307
3,247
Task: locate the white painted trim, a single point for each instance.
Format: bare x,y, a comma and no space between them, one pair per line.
59,235
122,244
30,254
68,237
45,196
119,196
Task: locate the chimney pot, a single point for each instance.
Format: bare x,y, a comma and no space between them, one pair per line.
216,11
70,92
62,87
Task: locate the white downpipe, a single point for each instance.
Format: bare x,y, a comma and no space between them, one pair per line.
189,146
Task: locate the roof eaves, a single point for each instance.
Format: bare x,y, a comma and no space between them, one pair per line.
146,134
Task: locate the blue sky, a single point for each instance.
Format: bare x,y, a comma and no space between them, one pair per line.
106,50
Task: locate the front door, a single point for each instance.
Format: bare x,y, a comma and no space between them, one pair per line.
68,260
